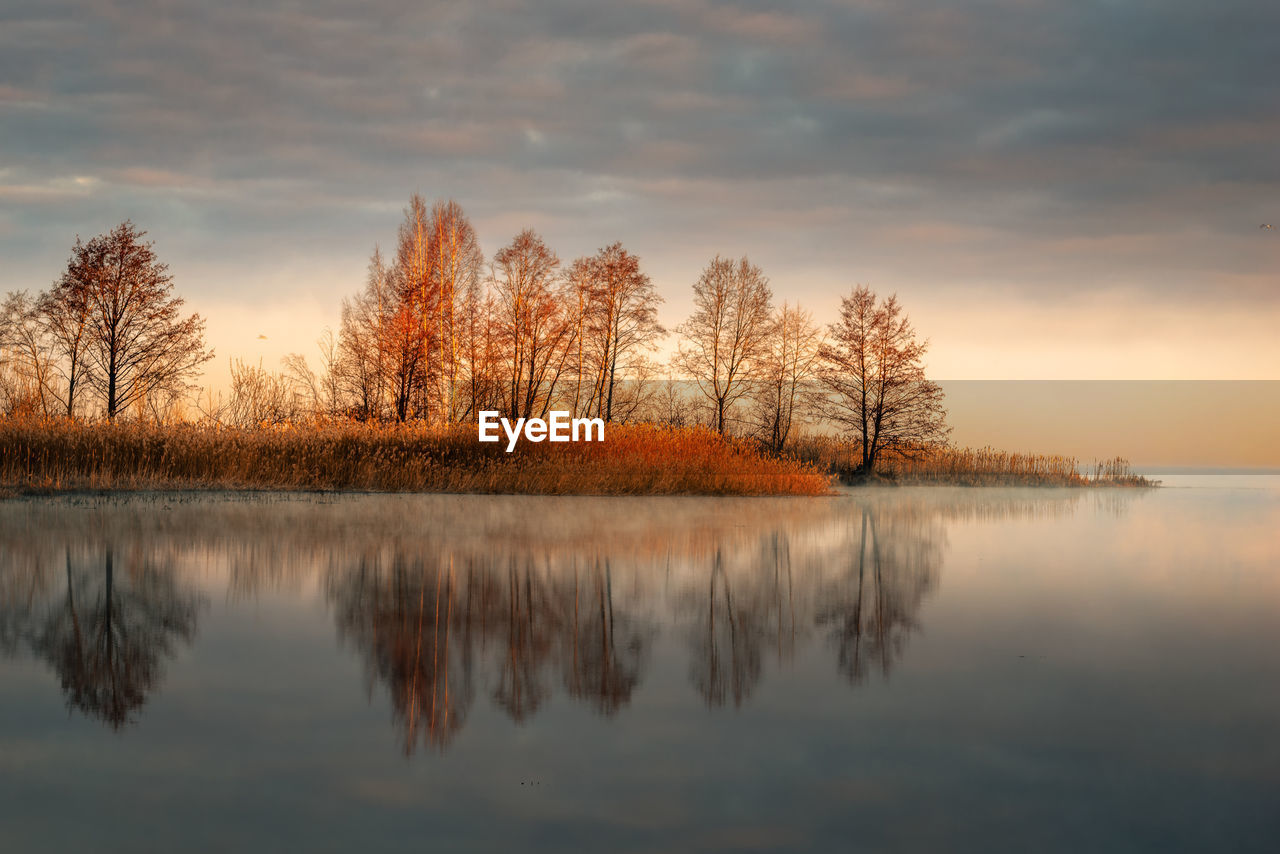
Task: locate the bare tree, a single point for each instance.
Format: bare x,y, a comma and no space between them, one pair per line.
531,321
318,392
872,369
478,355
410,344
414,331
406,358
636,394
136,341
63,315
787,373
580,300
727,337
619,320
457,266
377,365
669,404
259,396
360,358
28,363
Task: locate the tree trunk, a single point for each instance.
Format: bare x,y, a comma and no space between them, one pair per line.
111,388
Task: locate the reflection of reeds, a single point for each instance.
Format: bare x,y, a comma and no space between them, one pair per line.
966,466
53,455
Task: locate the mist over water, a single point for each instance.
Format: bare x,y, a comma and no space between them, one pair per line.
906,668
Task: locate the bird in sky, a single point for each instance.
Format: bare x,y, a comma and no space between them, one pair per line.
1267,225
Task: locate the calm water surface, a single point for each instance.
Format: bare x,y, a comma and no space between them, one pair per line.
910,669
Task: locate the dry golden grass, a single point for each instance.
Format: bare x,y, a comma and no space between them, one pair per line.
64,455
968,466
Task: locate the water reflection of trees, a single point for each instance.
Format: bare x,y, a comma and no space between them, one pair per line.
870,610
106,631
429,632
504,621
453,600
400,615
726,641
606,645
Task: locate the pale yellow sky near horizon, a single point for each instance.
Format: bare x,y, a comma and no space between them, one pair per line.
1200,424
1100,337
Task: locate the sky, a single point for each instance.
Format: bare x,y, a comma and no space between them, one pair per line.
1158,426
1055,190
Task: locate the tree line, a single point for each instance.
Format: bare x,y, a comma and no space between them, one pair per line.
439,332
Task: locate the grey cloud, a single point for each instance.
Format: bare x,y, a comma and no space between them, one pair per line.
832,129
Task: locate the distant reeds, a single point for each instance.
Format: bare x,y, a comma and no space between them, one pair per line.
54,455
965,466
58,455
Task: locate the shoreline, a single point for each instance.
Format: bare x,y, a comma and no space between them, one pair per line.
19,493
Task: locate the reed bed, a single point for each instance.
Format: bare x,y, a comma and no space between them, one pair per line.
965,466
65,455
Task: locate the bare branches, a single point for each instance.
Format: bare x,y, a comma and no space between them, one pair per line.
112,325
620,321
726,338
261,397
532,324
785,387
63,316
457,267
362,362
873,372
428,338
28,361
405,348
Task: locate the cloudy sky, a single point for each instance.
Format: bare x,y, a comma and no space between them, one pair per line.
1055,189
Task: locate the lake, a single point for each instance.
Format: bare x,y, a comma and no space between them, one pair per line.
909,669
